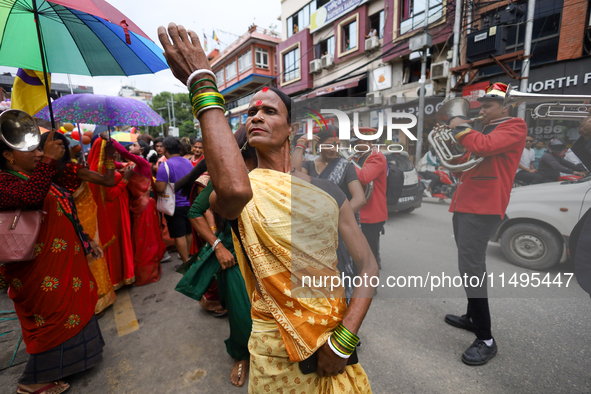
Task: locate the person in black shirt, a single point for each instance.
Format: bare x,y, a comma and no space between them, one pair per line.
580,238
553,163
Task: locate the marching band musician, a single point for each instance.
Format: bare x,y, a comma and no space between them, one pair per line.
479,205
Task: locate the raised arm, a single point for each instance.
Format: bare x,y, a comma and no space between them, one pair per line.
142,165
108,179
502,139
231,193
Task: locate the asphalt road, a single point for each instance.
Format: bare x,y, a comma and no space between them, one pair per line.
543,334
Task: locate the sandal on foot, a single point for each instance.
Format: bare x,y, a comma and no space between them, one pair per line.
44,389
219,313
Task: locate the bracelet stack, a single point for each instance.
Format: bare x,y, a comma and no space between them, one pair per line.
345,339
109,164
201,102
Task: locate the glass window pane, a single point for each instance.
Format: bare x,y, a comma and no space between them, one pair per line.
405,26
353,35
289,26
296,60
382,23
312,7
419,6
306,17
301,18
330,45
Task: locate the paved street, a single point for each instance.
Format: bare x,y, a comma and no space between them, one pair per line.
543,340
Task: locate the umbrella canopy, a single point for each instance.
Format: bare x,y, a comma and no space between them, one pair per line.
87,37
124,137
102,110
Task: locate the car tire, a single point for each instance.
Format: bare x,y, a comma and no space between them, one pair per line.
408,210
531,246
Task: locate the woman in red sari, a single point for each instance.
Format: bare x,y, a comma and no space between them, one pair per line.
115,227
145,227
54,295
75,178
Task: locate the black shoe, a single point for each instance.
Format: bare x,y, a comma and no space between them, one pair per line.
460,322
479,353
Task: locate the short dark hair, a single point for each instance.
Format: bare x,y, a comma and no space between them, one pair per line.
172,145
158,139
200,140
4,148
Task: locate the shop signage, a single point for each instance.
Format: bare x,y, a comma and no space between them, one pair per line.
382,78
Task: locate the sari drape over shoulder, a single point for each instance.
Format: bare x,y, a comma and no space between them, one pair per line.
87,212
113,220
289,229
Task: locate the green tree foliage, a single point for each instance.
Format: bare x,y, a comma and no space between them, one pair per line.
182,112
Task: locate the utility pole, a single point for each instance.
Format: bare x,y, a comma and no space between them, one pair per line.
168,109
452,80
529,27
172,105
422,92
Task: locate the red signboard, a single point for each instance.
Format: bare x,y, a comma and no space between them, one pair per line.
474,91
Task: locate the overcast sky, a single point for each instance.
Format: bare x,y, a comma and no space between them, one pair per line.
233,16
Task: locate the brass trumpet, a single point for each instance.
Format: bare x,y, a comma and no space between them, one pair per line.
19,130
559,107
442,140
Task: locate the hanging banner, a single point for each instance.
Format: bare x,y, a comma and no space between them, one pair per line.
331,12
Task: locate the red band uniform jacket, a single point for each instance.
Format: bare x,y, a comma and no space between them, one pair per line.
486,188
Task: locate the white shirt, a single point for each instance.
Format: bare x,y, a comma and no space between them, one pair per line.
527,157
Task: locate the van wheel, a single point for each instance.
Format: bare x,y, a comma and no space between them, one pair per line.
408,210
531,246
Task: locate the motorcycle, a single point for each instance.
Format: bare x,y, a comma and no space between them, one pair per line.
445,188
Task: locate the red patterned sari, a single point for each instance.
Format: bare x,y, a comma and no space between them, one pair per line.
147,239
55,294
113,221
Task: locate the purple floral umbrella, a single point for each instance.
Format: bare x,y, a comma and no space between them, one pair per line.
102,110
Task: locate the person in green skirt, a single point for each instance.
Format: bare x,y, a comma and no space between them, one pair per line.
217,260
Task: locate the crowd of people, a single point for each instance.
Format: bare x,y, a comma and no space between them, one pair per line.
251,219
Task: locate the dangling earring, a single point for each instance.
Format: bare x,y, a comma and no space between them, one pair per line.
11,161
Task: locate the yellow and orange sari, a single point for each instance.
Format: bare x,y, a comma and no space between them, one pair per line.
289,229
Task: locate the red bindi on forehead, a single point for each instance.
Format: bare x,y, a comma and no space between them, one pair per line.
259,102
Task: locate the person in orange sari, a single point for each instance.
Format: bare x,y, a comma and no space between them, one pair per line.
54,295
113,220
75,178
145,231
285,224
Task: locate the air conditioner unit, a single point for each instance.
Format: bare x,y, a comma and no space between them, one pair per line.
373,98
327,61
315,66
429,90
486,43
396,98
372,43
439,70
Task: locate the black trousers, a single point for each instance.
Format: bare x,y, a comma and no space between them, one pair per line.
472,232
529,178
372,234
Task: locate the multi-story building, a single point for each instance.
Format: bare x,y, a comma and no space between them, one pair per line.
328,51
560,54
361,49
244,66
132,92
